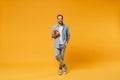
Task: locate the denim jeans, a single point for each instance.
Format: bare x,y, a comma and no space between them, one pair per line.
59,53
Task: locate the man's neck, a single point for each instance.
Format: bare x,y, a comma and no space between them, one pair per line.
60,24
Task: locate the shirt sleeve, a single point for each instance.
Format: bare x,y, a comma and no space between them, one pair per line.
52,32
68,33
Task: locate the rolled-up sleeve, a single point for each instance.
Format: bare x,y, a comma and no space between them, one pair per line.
68,33
52,32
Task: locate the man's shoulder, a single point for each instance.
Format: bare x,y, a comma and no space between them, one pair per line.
54,26
66,26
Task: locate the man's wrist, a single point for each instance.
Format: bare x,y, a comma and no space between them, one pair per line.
54,36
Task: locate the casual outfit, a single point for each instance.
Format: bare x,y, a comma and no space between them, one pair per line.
60,43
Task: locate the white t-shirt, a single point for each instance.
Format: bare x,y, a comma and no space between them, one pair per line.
60,30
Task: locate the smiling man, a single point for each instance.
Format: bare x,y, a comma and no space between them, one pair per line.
61,34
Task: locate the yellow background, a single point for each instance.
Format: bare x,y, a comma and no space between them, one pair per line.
26,46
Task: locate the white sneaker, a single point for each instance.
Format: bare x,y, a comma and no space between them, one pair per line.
65,69
60,72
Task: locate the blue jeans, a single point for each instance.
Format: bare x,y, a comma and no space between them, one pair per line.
59,53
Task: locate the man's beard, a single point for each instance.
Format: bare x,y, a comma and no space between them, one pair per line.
61,23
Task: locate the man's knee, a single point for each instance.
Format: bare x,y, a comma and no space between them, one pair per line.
58,57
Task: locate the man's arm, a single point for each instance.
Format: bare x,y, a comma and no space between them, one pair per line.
54,35
68,34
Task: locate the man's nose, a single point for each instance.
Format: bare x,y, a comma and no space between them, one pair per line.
60,20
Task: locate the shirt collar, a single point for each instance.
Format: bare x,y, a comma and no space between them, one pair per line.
58,25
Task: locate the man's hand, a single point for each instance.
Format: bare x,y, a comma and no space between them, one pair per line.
67,40
56,34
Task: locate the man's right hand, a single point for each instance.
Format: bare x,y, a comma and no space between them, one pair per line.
57,34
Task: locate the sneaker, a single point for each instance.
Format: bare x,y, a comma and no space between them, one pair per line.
60,72
65,69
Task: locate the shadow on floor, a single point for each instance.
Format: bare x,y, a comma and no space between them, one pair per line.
78,58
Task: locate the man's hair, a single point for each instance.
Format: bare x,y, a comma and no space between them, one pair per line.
59,15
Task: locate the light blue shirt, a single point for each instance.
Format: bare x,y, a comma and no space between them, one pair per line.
65,35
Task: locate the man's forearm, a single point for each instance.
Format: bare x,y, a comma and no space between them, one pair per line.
54,36
68,40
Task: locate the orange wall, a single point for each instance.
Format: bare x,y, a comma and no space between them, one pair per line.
26,26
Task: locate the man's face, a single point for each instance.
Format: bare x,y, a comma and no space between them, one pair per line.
60,20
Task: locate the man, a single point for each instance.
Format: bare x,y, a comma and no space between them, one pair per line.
61,34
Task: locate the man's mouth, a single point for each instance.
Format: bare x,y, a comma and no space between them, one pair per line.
60,21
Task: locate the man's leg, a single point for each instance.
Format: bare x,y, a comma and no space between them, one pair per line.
63,51
59,56
59,59
62,54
